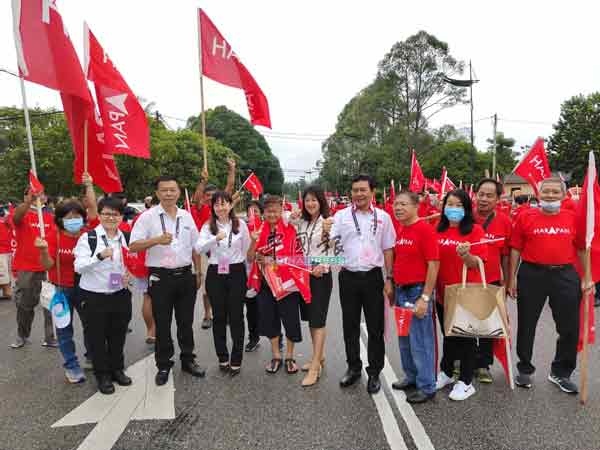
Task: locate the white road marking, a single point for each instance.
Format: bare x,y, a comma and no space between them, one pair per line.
143,400
419,435
388,421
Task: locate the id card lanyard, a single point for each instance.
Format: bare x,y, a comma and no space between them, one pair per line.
358,227
310,235
223,261
164,227
115,279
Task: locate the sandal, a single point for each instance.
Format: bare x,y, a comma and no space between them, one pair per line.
290,366
274,366
306,367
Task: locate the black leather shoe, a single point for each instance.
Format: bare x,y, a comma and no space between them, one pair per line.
120,378
193,368
105,385
373,384
162,376
404,385
419,397
349,378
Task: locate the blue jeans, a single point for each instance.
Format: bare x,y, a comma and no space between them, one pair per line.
417,350
65,335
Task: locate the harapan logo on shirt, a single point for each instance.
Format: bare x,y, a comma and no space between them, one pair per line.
446,242
404,241
549,231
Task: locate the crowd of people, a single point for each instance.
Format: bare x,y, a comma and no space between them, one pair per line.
406,252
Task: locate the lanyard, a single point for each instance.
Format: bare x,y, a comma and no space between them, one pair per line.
374,222
310,235
229,240
164,228
107,244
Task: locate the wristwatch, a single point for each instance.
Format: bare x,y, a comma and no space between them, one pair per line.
425,298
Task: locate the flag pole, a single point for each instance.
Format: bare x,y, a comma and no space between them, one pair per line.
586,312
203,114
244,183
85,146
32,155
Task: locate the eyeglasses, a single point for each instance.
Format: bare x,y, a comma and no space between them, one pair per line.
111,215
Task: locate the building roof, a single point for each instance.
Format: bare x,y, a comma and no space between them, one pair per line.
513,178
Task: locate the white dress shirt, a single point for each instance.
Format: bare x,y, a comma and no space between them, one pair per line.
236,253
311,237
362,251
179,252
95,274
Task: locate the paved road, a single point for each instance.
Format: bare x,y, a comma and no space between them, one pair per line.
272,412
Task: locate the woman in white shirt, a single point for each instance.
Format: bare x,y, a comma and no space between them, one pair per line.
309,224
105,299
227,239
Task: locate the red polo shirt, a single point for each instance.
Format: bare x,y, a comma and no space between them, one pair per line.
546,239
27,257
416,245
499,227
66,244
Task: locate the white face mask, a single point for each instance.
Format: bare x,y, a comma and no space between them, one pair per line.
550,206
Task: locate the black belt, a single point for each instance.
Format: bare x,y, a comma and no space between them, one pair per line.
550,266
178,271
362,274
232,265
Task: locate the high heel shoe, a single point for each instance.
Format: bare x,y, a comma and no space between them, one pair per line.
306,367
311,377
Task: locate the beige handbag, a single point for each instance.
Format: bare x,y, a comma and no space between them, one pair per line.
474,309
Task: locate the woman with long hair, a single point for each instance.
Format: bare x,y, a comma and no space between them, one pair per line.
227,239
309,226
456,232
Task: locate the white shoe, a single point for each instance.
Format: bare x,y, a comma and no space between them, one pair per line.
461,391
443,380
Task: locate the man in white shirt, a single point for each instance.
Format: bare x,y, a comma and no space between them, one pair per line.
366,237
168,235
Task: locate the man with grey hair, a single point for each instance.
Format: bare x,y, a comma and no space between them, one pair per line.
546,241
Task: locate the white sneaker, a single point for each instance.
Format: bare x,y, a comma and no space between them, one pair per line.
461,391
443,380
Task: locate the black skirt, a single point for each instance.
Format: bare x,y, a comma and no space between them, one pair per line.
315,313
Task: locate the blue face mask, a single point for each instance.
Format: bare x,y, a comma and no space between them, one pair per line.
73,225
454,214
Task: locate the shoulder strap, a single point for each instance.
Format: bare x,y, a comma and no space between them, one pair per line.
487,222
92,240
127,236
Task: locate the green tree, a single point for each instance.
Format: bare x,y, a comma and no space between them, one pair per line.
415,68
506,157
239,135
575,134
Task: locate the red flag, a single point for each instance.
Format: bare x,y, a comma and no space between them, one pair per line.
125,125
385,200
253,185
417,179
221,64
447,185
35,187
534,165
254,221
392,191
436,185
46,56
299,200
588,221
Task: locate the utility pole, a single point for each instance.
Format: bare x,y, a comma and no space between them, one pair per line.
494,147
472,136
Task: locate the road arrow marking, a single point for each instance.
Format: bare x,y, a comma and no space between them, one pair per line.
143,400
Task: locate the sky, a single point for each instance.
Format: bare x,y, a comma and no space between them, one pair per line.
311,57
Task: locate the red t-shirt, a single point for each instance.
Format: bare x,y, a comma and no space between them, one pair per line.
545,239
201,215
451,264
426,209
6,235
416,245
518,210
27,257
569,203
499,227
67,259
503,207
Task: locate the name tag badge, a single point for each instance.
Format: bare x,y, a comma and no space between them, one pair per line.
223,266
115,281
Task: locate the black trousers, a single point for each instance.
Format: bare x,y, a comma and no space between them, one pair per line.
485,347
172,291
535,283
363,291
106,317
457,349
251,317
226,294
